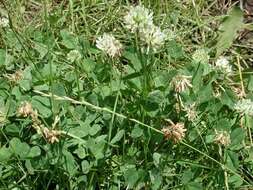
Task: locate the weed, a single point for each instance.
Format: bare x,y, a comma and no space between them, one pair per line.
120,94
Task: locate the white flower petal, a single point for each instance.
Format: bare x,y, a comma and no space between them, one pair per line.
109,45
223,64
138,18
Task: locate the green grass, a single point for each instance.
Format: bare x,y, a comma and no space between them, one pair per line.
111,113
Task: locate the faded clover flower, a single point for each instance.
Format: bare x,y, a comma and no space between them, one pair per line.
244,106
223,64
15,77
109,45
138,18
181,83
175,132
153,36
74,55
4,22
239,92
25,109
200,56
191,112
51,135
222,138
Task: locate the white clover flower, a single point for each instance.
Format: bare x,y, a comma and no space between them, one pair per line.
138,18
223,64
200,56
153,36
4,22
222,138
74,55
244,106
109,45
181,83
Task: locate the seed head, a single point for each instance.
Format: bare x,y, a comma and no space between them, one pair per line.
222,138
25,109
181,83
51,135
239,92
175,132
15,77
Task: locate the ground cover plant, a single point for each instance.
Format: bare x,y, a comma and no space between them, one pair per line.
122,94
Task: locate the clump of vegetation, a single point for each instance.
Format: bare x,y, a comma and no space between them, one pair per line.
121,95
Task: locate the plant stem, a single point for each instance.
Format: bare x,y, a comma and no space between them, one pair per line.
77,80
101,109
113,116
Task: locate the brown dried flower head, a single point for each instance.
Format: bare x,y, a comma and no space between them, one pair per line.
51,135
15,77
181,83
239,92
25,109
222,138
175,132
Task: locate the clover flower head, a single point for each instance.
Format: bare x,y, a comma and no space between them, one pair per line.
191,112
244,106
222,64
153,36
51,135
15,77
4,22
74,55
240,93
200,56
222,138
181,83
175,132
25,109
109,45
138,18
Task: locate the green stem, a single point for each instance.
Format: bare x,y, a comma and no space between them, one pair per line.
77,80
217,162
49,56
101,109
113,116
